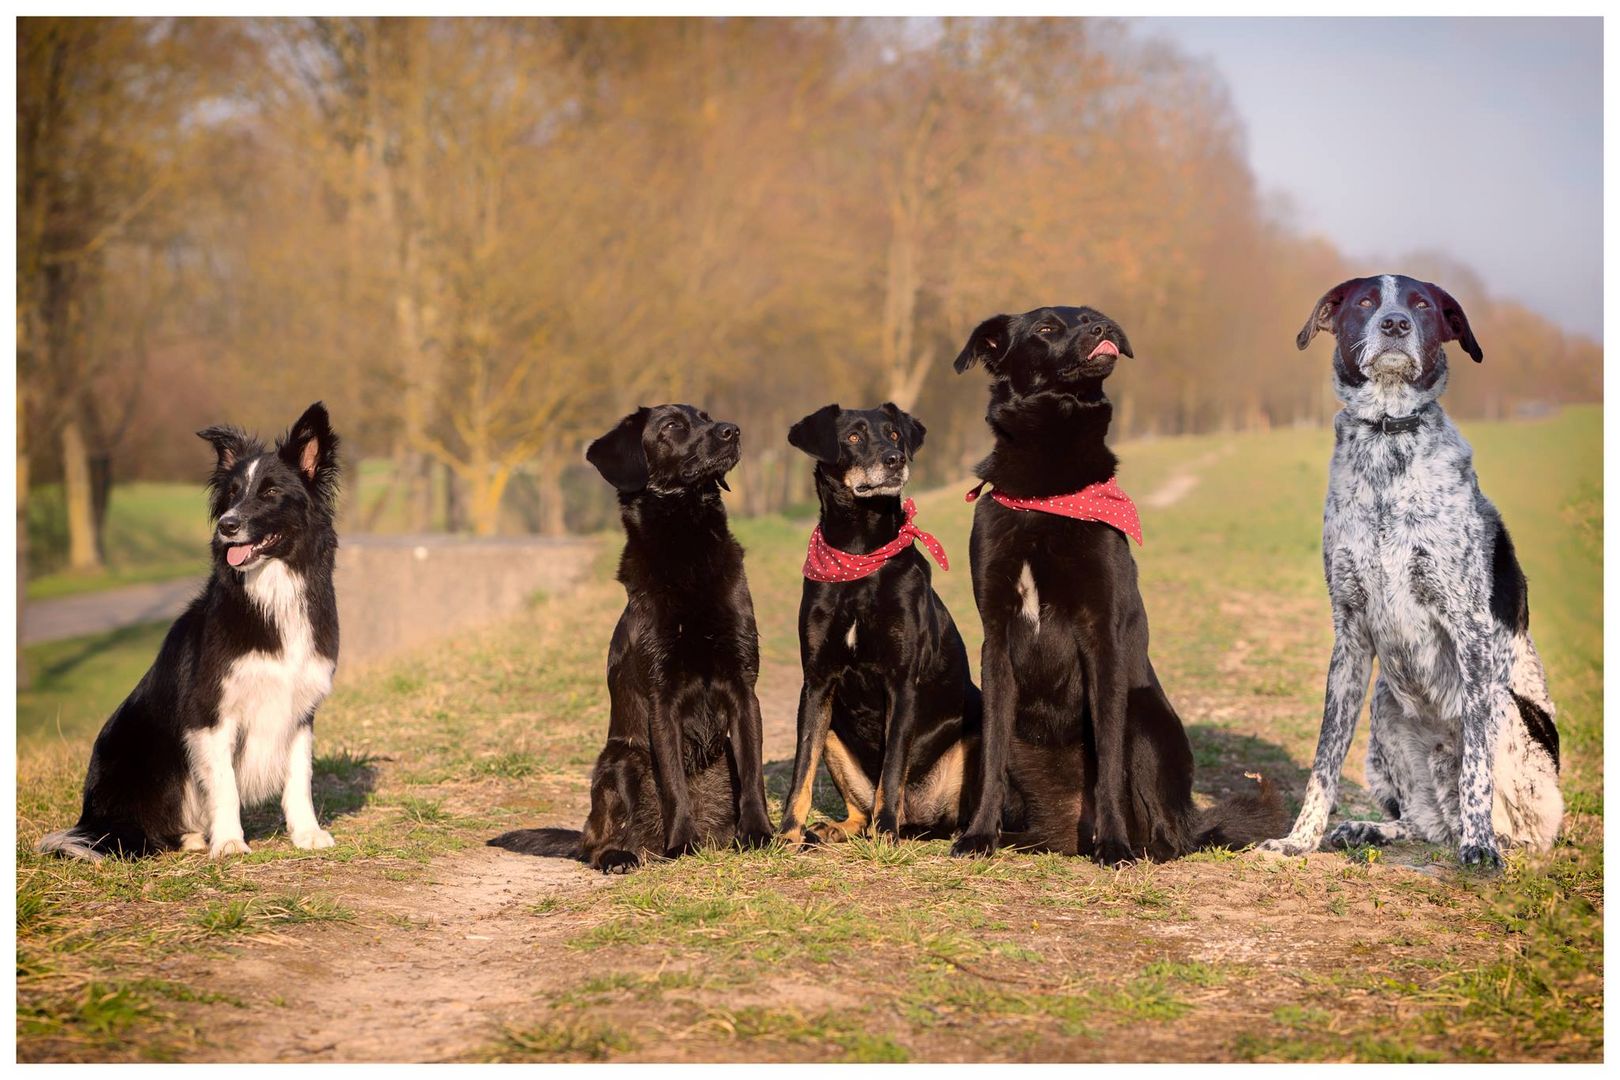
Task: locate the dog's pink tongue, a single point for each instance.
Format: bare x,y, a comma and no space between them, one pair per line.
237,554
1104,348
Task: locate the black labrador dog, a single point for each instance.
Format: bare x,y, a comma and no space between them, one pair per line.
1075,721
681,768
887,694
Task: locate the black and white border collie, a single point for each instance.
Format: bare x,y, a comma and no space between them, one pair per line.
226,714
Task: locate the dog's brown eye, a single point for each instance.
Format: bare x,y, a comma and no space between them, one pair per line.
1045,329
854,436
269,492
1365,302
1422,305
894,436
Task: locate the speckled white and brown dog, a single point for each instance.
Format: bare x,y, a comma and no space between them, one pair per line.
1423,576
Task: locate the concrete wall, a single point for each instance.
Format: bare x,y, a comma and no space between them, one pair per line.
397,592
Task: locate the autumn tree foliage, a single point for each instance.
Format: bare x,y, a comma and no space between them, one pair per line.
481,241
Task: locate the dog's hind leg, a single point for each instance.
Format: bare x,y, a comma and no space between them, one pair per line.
1529,807
1348,670
609,842
297,801
855,787
1389,776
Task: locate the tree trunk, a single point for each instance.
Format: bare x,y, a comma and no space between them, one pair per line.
487,491
22,539
455,506
78,490
548,479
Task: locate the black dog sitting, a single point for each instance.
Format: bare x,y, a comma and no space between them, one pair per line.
681,767
1074,717
887,694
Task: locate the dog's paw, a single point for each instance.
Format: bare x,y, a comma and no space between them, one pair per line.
616,861
1481,857
1286,845
1113,852
228,845
974,844
750,839
1351,834
682,846
193,841
313,840
886,826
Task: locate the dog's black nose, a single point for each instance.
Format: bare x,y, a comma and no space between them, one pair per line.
1396,326
893,459
229,525
727,432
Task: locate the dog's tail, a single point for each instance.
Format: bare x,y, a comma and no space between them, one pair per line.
93,843
1244,819
558,843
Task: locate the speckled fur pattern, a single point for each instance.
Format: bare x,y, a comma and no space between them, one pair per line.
1423,577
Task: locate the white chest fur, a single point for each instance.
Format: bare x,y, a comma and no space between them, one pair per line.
266,695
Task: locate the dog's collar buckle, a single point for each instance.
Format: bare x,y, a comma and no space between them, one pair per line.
1396,425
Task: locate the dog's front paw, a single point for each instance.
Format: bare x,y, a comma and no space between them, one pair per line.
1114,852
973,844
228,845
886,826
1286,845
313,840
683,842
1482,857
1350,834
616,861
752,839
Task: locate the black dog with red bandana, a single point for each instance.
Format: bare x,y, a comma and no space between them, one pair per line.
887,696
681,768
1078,734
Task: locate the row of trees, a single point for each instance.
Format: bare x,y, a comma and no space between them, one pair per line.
481,241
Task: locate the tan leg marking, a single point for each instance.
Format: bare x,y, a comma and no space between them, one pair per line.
853,785
799,801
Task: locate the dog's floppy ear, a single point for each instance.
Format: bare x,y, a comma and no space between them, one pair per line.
310,448
1322,314
1456,323
230,444
911,429
619,455
987,344
817,434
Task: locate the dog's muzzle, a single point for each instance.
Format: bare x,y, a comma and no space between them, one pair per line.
1393,364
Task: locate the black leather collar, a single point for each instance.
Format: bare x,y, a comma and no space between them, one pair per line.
1395,425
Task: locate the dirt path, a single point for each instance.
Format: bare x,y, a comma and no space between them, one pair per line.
1181,483
114,609
427,970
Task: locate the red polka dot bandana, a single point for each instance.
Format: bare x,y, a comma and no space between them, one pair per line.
826,563
1103,502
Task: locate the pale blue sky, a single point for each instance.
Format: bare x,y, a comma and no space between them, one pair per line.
1479,138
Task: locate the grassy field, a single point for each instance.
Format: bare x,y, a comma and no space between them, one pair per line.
411,940
155,532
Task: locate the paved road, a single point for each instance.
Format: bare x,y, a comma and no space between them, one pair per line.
99,612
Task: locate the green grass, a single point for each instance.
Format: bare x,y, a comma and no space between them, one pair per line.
871,951
158,531
79,681
155,532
